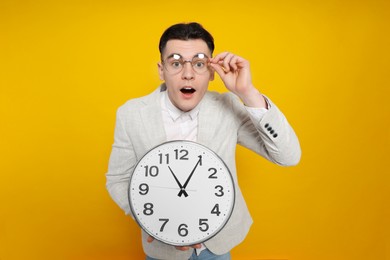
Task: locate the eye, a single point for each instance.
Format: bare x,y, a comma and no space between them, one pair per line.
175,64
198,64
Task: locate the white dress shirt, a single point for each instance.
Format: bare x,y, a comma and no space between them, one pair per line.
181,125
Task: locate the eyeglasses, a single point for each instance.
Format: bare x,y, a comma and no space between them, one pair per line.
175,63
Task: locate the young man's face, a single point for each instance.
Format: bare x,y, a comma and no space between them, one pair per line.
187,87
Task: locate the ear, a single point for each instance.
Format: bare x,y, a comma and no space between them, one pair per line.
160,70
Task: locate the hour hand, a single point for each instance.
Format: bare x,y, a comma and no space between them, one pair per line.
182,189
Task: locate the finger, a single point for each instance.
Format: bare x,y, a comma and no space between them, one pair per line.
219,57
150,239
239,62
227,62
218,68
235,63
182,248
197,246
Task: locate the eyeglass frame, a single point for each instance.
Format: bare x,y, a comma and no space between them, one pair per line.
183,62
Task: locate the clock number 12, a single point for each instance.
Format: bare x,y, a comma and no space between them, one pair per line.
182,152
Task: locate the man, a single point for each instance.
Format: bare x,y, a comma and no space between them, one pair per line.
183,109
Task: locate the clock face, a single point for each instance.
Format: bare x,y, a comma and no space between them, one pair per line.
181,193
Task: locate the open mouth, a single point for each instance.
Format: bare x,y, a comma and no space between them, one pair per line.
187,90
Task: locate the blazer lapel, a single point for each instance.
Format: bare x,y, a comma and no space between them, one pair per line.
207,120
152,120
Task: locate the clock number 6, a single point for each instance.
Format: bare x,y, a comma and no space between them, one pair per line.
182,230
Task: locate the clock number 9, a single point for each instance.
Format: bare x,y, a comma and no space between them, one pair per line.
148,209
143,189
152,171
182,230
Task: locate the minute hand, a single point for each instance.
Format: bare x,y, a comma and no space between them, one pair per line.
182,191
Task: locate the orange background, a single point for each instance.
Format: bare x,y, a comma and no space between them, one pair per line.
66,66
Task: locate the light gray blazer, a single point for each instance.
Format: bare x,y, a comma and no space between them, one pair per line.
222,124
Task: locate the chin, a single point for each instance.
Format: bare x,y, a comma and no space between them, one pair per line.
186,109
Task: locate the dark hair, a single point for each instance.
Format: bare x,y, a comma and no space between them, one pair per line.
186,31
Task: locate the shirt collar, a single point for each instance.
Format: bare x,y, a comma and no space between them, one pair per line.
176,113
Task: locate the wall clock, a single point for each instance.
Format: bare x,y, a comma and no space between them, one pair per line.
181,193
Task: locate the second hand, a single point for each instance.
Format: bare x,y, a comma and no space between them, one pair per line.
170,188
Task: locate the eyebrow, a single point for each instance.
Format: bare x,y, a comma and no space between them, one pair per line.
173,54
181,57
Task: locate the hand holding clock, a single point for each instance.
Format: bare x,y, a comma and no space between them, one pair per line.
150,239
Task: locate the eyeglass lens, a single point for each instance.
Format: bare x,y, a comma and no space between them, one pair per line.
175,63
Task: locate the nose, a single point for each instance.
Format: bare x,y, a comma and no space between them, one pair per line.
188,72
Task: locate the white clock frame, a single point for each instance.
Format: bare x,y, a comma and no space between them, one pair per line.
181,193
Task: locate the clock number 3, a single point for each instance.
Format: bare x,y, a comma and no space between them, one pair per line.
220,191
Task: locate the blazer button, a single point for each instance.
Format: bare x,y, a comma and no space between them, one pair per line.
275,135
266,125
269,128
272,131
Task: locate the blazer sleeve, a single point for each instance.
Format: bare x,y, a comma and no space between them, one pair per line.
272,136
121,164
